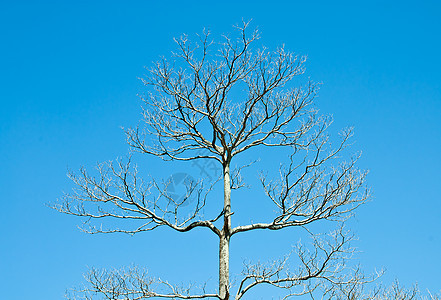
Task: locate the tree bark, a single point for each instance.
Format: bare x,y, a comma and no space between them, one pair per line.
224,243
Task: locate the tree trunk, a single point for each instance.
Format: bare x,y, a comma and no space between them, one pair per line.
224,243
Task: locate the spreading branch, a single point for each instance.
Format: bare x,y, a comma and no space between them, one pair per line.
134,284
118,193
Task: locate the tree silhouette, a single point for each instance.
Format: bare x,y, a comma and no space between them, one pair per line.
215,101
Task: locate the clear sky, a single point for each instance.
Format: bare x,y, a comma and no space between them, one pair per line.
68,82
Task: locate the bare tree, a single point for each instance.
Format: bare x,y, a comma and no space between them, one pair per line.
216,101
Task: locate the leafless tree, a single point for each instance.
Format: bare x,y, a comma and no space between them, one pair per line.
215,101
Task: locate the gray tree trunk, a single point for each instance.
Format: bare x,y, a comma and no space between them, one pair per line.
224,243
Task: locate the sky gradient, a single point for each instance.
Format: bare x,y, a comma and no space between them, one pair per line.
69,82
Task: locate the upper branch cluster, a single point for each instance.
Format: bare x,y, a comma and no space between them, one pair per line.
196,107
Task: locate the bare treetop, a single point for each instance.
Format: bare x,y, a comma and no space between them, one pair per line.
196,102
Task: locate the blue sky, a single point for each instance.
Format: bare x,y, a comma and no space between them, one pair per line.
68,82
